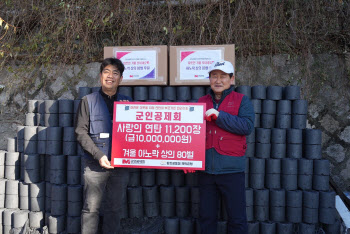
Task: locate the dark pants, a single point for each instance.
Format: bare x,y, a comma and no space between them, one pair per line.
232,188
102,183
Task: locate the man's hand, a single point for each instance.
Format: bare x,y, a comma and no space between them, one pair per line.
211,114
105,163
123,100
189,171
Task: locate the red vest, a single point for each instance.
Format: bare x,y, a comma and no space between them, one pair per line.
224,142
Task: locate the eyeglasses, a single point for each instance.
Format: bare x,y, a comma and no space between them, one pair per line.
222,77
114,73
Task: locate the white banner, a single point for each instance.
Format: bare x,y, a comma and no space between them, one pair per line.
138,64
195,64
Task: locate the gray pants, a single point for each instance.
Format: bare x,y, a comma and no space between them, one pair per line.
102,184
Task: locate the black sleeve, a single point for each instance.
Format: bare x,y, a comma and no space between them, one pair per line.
82,125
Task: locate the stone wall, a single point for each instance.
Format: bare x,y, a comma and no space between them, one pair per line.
324,81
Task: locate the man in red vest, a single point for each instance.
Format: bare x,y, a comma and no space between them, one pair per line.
230,117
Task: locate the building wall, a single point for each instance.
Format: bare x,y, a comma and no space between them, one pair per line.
324,81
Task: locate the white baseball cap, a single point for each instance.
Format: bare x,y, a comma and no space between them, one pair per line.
222,65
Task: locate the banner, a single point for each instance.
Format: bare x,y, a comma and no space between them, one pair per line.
138,64
159,135
195,64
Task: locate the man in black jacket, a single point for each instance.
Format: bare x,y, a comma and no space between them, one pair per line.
93,128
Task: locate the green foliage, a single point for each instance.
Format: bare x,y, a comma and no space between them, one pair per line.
75,32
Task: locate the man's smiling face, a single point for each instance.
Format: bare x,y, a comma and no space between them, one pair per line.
110,78
220,81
